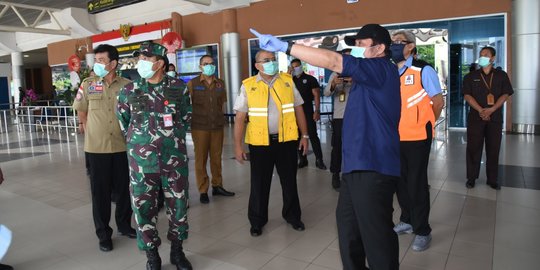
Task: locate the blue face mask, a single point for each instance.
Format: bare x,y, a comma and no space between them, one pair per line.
358,52
208,70
484,61
270,68
100,70
397,52
144,68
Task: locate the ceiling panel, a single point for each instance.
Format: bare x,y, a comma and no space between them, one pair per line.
11,19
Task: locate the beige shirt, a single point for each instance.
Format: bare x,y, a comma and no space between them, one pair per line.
98,100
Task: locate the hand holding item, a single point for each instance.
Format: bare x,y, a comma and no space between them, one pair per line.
270,43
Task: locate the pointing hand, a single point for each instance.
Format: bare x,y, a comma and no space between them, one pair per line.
269,42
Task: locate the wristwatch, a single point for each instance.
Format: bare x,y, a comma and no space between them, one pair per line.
305,136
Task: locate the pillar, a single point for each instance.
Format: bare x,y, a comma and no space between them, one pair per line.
525,66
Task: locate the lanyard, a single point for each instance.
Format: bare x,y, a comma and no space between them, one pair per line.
490,81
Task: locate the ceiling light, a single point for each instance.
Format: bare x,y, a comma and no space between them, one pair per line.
26,55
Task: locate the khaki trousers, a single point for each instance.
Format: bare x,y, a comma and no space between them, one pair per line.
208,143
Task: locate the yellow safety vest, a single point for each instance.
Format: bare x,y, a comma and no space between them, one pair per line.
416,107
257,98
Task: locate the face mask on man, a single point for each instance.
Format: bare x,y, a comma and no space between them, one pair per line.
171,73
397,52
144,68
270,68
209,70
100,70
484,61
297,71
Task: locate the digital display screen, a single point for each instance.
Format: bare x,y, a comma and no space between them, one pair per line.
188,60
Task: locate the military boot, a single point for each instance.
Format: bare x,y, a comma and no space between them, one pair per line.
154,261
178,257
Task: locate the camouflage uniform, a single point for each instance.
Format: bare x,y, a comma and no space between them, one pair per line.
157,154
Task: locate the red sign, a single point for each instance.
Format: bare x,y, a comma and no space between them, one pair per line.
172,41
74,63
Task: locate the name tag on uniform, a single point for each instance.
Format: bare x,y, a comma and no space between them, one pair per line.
199,88
167,120
409,79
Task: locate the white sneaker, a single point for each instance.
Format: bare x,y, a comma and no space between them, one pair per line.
402,228
421,242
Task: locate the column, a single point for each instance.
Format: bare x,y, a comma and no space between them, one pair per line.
230,57
525,66
17,73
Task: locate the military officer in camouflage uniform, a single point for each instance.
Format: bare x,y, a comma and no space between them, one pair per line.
154,112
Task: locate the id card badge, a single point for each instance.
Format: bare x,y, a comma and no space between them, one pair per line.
167,120
490,99
342,97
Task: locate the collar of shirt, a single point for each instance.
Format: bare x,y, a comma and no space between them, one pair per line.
408,64
270,83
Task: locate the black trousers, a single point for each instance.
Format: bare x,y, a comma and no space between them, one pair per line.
313,138
478,133
412,188
335,162
109,173
262,162
364,221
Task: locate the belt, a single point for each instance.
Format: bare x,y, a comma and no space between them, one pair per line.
274,137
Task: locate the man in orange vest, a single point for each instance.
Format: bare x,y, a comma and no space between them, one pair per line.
421,105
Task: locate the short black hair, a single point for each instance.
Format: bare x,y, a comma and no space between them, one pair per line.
171,65
204,56
296,60
346,50
111,51
490,49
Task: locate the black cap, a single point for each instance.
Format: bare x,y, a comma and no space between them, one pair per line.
376,32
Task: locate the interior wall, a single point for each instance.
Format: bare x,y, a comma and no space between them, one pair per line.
284,17
59,52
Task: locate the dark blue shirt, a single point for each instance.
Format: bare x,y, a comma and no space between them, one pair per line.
370,124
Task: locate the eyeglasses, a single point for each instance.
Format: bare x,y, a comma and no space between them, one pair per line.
266,60
404,42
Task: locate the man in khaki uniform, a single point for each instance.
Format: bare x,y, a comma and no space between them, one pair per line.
105,145
208,96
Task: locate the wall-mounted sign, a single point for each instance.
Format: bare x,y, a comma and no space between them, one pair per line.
125,31
352,1
97,6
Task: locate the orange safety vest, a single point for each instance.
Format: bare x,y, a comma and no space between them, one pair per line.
416,107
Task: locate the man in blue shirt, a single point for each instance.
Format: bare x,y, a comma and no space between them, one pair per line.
421,105
371,162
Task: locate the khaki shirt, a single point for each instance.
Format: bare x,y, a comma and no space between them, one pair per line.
99,100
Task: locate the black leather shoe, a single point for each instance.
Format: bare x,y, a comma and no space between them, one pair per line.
105,245
298,225
470,183
204,198
302,163
255,231
178,257
220,191
5,267
495,186
154,261
319,163
131,233
336,182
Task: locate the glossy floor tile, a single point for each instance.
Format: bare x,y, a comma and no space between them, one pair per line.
45,200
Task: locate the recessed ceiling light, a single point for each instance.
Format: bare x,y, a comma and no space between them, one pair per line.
26,55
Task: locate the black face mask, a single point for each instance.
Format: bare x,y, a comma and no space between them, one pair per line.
397,52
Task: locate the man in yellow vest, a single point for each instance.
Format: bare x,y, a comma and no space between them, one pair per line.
421,105
274,107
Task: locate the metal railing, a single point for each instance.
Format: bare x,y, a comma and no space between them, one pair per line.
32,118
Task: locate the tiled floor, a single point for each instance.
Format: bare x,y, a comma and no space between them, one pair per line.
46,202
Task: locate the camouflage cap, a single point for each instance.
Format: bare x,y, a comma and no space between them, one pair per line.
151,49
